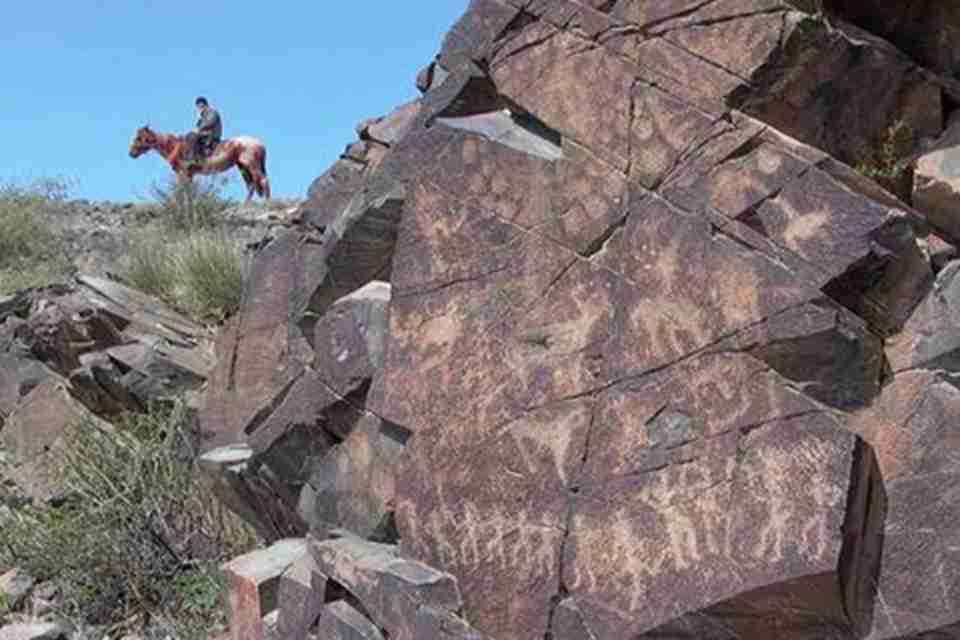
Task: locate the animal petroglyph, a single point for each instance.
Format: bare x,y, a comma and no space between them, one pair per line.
550,432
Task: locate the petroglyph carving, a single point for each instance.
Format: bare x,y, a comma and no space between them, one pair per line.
474,537
676,496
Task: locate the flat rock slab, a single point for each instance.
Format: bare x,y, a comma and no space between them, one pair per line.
144,313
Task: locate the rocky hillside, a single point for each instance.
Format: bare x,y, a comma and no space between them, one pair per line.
98,235
640,323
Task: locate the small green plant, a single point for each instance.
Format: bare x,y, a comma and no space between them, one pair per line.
139,535
148,266
192,205
201,273
31,246
886,158
201,590
210,272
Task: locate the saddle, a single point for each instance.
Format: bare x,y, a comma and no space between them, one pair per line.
198,149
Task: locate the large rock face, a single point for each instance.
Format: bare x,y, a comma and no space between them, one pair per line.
656,362
638,319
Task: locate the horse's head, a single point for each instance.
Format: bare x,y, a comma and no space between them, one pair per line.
143,141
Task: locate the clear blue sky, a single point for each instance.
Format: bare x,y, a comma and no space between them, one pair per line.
79,77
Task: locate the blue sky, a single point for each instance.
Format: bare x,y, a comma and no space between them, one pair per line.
79,77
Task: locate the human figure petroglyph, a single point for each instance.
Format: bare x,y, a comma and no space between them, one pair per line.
473,538
715,510
470,540
814,537
435,527
496,529
678,500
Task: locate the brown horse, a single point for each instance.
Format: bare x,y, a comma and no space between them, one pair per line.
247,154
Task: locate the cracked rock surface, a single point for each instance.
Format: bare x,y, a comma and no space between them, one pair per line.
655,362
643,357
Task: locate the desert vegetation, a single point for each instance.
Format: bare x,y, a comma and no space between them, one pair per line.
194,264
184,255
31,247
887,160
136,538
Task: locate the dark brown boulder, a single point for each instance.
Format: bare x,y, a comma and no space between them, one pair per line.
317,460
914,428
295,279
927,30
392,588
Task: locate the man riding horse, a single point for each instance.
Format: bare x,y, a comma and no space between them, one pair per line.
201,152
205,139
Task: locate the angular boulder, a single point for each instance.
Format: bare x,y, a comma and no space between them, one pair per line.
300,597
253,582
340,621
352,486
926,30
936,183
915,430
391,588
294,280
33,434
929,339
316,459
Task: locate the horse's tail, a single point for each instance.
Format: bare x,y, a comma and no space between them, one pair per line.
264,187
263,160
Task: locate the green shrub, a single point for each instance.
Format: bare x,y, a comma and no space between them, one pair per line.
201,273
192,206
139,536
148,266
209,272
885,159
31,246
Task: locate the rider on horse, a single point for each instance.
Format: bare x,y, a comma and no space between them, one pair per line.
205,139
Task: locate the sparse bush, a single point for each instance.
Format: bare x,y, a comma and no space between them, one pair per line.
201,273
210,272
139,536
31,247
885,160
192,206
148,266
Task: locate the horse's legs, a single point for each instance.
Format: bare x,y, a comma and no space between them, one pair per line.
265,187
249,180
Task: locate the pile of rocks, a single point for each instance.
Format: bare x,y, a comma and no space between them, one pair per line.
88,351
